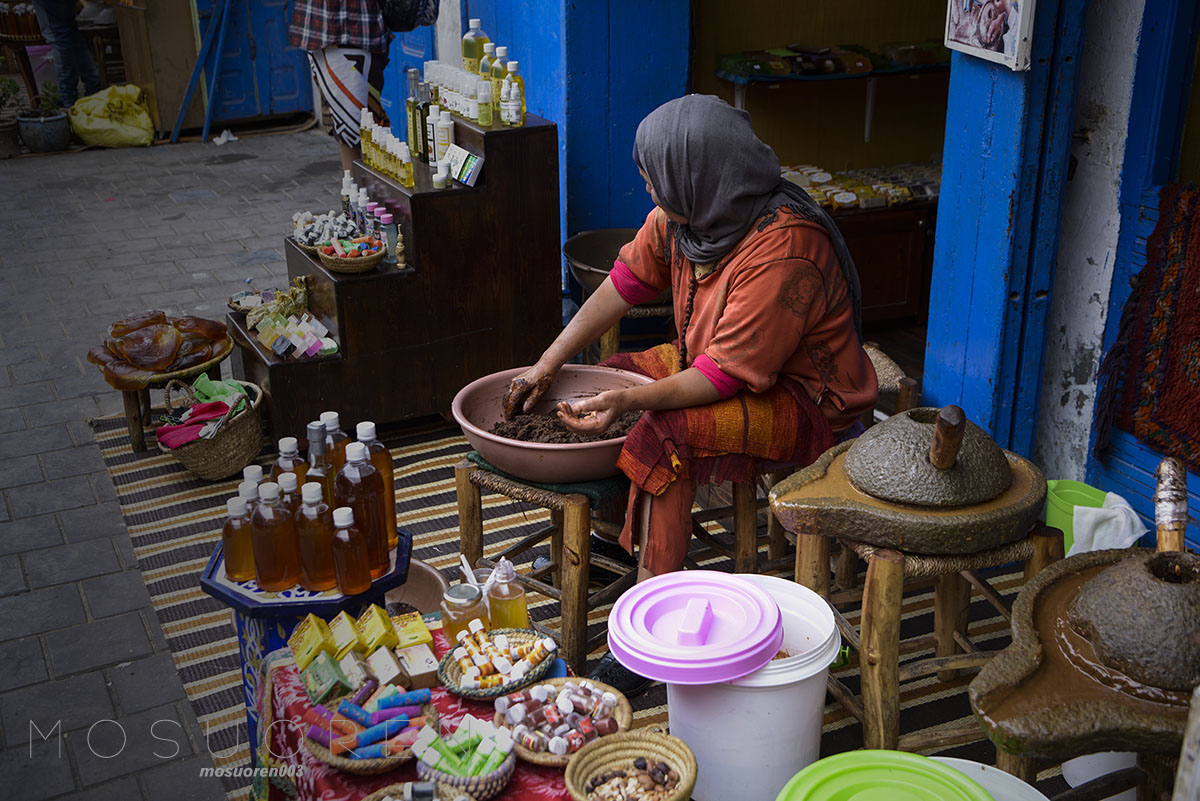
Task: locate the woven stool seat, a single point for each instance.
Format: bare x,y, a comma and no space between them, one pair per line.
918,565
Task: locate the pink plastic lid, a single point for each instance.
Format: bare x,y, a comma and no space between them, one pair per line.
695,627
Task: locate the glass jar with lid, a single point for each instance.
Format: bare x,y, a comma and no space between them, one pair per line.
461,604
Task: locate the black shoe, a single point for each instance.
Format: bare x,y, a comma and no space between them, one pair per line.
614,674
612,550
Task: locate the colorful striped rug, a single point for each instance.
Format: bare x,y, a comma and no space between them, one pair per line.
174,521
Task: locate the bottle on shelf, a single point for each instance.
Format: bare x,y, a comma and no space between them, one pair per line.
363,221
445,134
485,103
410,104
289,491
364,135
419,144
289,460
381,457
276,552
516,96
507,607
499,70
431,121
350,562
320,469
347,183
335,440
472,45
314,532
485,62
505,106
359,486
252,472
237,541
406,166
390,237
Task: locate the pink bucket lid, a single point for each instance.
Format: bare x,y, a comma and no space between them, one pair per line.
695,627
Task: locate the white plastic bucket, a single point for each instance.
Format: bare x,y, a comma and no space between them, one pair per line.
1000,785
751,735
1082,770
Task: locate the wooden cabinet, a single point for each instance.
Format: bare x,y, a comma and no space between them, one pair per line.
893,251
480,291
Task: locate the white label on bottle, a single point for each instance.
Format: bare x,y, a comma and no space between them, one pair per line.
473,109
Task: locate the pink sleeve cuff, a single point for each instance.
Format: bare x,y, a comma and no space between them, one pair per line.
726,385
631,288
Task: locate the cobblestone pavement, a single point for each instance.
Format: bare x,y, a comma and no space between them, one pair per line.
88,237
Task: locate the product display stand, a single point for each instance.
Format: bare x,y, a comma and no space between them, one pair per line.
264,620
480,290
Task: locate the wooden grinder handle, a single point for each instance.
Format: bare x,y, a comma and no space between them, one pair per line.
947,437
1171,504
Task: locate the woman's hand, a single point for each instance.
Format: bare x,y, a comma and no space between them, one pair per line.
594,415
527,389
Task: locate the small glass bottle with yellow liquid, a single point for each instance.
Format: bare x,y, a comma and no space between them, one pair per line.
485,63
507,607
472,45
237,542
516,96
499,71
364,135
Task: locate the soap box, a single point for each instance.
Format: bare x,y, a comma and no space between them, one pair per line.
386,667
308,639
375,629
324,679
355,669
345,634
411,630
419,663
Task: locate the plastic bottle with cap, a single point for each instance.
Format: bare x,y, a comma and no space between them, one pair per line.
248,492
484,93
472,45
516,95
431,121
364,135
381,458
507,606
314,532
350,562
289,492
359,486
335,440
252,472
505,93
499,70
289,460
440,180
276,552
485,62
445,134
237,546
347,188
406,166
361,219
319,469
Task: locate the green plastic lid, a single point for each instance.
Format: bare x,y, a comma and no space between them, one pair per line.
881,776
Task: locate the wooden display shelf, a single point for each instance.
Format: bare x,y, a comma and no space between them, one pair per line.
479,293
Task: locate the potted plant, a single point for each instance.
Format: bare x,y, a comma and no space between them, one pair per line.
10,145
44,125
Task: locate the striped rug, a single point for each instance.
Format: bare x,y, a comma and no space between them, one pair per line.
174,521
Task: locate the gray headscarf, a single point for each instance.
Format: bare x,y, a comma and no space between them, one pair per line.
706,164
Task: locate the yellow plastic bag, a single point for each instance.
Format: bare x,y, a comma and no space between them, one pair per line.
113,117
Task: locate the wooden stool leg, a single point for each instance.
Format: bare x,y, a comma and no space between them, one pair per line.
1047,549
879,659
145,403
610,341
1160,776
133,416
846,569
745,528
556,546
776,540
470,514
951,608
812,562
577,555
1023,768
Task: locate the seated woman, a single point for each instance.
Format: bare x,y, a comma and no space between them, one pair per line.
769,364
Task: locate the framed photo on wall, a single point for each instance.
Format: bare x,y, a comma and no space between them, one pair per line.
995,30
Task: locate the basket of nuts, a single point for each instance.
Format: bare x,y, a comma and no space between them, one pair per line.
640,765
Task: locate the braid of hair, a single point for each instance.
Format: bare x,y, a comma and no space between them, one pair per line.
687,319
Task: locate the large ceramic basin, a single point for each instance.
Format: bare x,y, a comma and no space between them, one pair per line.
479,405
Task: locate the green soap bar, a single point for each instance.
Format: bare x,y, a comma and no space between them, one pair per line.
324,678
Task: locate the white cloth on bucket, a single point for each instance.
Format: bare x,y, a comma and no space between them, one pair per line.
1113,525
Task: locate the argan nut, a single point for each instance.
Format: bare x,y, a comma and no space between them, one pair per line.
640,763
663,768
646,782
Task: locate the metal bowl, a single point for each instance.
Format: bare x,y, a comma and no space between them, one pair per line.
590,256
479,405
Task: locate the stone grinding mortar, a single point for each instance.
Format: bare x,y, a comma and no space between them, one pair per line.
923,481
1106,648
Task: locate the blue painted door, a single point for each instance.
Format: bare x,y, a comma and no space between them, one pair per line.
409,49
1158,110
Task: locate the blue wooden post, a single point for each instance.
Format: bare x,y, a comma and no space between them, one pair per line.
1007,145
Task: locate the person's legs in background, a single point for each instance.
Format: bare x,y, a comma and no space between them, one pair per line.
349,79
72,58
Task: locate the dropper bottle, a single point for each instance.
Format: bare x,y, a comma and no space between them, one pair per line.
347,182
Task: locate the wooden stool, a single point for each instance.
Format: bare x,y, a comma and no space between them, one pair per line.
138,403
878,644
569,532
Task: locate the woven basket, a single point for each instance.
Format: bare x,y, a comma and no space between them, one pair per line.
235,445
450,674
445,793
361,264
369,767
617,752
481,787
623,714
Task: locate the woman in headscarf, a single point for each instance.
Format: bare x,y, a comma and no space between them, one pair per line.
769,364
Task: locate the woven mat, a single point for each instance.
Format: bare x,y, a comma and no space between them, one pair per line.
174,520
